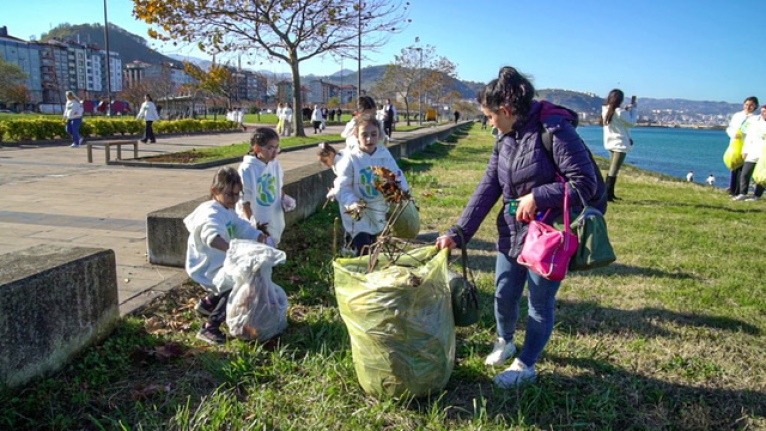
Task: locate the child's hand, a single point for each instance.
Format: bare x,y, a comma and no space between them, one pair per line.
355,210
288,203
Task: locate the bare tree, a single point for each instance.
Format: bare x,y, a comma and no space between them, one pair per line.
291,31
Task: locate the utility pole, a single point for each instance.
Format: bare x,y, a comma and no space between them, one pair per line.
108,66
359,54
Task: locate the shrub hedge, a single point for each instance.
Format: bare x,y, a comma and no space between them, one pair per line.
45,129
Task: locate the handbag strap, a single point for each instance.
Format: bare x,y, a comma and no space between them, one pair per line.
567,228
463,251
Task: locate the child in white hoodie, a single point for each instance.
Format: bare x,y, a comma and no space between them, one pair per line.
363,208
263,201
211,227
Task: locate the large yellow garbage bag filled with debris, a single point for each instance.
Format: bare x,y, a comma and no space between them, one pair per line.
399,319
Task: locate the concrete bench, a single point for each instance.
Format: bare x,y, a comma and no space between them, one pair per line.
57,301
107,145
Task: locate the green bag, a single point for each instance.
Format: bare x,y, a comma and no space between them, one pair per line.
399,321
594,249
465,298
405,218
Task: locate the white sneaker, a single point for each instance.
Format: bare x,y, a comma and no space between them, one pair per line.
516,374
753,199
500,353
739,198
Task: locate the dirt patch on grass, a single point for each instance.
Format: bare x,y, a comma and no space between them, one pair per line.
180,157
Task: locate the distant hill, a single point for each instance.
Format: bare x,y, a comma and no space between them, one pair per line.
130,46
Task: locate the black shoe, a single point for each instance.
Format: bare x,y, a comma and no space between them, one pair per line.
205,306
143,141
152,142
211,335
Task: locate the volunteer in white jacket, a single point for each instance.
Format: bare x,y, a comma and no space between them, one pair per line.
738,129
73,117
752,151
148,113
617,123
287,113
363,208
211,228
263,200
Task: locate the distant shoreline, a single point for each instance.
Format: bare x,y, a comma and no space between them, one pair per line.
675,126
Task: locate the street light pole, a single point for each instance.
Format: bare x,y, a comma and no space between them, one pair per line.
420,89
108,66
359,53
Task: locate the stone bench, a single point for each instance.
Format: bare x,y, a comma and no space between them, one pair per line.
166,234
107,145
56,302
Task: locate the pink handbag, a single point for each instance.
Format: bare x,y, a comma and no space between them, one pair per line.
547,250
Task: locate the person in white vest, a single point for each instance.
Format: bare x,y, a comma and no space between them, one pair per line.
287,112
363,209
73,117
263,201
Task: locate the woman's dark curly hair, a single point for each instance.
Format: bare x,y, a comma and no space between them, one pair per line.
511,89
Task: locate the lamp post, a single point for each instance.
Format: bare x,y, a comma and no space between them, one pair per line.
359,52
420,86
108,66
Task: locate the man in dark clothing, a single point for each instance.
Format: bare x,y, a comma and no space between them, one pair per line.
390,117
457,116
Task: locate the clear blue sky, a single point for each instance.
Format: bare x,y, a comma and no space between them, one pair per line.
699,50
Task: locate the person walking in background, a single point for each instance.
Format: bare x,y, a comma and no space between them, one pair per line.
617,123
738,130
389,118
287,113
457,116
148,113
710,180
317,119
73,117
690,177
280,119
752,151
521,170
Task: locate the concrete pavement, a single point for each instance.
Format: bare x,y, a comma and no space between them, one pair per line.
51,195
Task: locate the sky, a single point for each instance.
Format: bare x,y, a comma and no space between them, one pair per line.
697,50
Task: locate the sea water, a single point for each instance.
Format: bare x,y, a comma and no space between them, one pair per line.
671,151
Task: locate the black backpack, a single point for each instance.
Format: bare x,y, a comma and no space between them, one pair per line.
598,201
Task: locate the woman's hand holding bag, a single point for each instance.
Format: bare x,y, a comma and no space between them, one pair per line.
547,250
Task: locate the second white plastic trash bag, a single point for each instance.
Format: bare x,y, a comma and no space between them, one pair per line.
257,307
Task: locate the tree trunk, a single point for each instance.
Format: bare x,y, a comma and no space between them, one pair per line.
297,102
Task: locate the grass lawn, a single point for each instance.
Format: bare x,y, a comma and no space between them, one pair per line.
668,337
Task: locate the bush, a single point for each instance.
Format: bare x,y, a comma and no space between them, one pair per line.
46,129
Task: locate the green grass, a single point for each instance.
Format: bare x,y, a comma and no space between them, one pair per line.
668,337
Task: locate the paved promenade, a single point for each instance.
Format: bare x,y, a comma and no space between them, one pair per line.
52,195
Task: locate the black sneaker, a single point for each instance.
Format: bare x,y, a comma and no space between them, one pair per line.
205,306
211,335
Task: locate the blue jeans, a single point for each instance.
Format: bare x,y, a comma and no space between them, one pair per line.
510,278
73,128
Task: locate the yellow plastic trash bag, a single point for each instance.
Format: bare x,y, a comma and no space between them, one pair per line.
399,319
732,157
759,173
406,219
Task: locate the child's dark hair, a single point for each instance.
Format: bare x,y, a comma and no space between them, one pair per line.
366,119
365,103
225,177
326,150
511,89
262,136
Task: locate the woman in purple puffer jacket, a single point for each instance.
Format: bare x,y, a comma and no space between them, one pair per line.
523,173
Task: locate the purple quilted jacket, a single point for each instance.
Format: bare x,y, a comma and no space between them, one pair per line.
521,166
